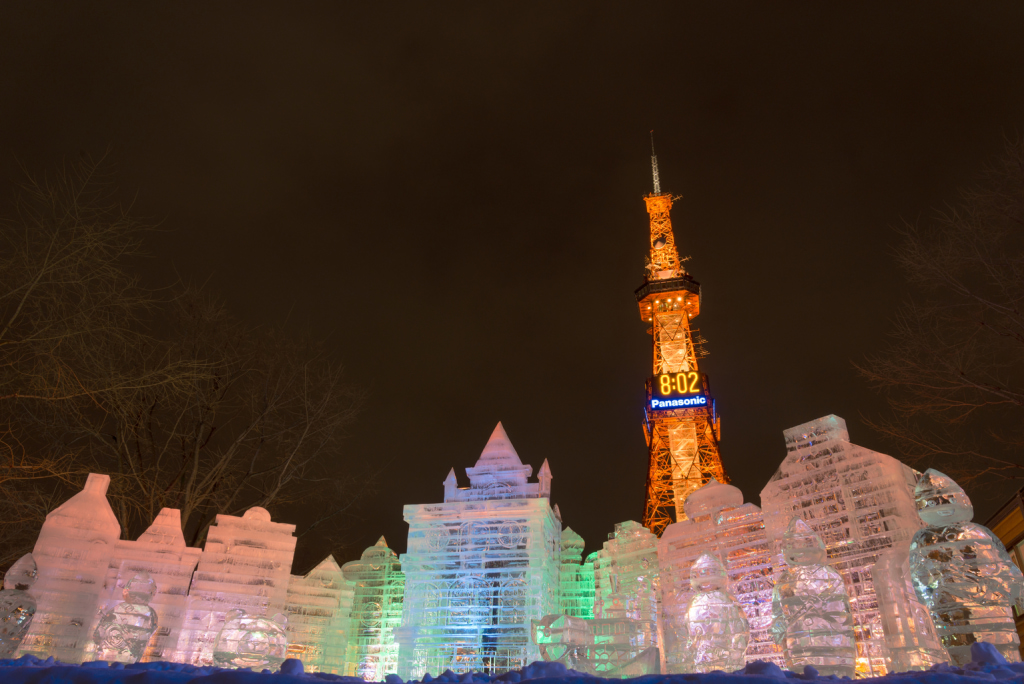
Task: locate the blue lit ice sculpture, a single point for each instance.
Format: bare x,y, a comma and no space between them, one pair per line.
16,606
962,572
125,628
717,627
811,616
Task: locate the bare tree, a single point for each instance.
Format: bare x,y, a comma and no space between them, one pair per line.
953,369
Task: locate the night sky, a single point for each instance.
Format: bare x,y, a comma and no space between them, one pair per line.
451,194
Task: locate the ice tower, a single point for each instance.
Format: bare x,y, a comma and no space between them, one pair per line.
319,619
378,585
680,423
161,552
718,523
479,567
627,581
861,503
576,578
246,565
72,554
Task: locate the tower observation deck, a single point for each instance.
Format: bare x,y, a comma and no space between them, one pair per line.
680,424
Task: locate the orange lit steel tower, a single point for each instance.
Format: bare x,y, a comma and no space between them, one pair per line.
680,423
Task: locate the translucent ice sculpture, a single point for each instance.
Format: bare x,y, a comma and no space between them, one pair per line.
718,522
16,605
251,641
319,619
717,627
479,567
862,503
124,629
810,608
72,553
378,586
603,647
962,572
909,630
576,578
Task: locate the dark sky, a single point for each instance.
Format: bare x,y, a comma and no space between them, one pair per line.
452,193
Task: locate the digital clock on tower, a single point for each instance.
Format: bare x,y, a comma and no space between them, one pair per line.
678,390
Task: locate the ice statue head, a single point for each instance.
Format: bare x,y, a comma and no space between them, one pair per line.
708,574
714,496
22,574
139,589
940,500
801,545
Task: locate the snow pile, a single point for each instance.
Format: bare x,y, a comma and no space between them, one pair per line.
986,664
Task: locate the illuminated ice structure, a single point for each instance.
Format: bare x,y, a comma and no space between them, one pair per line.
716,626
245,565
962,572
253,641
861,503
811,615
378,585
319,619
160,552
16,605
125,628
576,578
718,523
72,553
479,567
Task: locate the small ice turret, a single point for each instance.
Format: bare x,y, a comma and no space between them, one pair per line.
16,605
962,572
717,628
810,607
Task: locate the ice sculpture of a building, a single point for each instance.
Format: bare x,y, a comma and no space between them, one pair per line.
319,619
479,567
576,578
861,503
378,585
245,565
718,523
161,552
72,553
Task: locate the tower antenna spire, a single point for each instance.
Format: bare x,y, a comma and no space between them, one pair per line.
654,167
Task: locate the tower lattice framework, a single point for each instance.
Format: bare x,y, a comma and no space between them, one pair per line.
682,442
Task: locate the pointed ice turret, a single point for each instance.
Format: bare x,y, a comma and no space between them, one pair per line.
451,485
165,530
498,472
545,479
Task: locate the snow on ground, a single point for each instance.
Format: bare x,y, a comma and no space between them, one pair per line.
987,664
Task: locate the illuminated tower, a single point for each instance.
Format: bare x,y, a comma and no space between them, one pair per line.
680,424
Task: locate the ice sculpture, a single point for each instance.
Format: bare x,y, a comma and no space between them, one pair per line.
252,641
810,609
160,552
903,615
479,567
72,553
16,605
861,503
962,572
246,565
319,619
378,585
576,578
718,522
602,647
124,629
717,628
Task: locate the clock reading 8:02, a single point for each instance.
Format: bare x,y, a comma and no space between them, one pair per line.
679,384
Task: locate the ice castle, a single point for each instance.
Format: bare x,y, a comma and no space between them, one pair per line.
491,581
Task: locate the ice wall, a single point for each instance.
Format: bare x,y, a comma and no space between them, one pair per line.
718,523
379,587
246,565
576,578
479,567
319,619
861,503
72,554
627,579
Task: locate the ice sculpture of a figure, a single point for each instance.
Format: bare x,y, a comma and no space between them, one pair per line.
16,606
811,615
125,628
251,641
962,572
717,627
